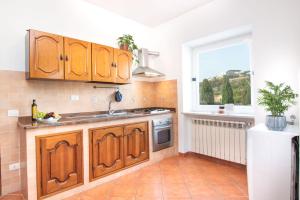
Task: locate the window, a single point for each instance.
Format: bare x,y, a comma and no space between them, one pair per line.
223,74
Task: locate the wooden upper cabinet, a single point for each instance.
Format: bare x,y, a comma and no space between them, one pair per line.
103,69
45,55
55,57
106,151
123,62
59,162
136,143
77,60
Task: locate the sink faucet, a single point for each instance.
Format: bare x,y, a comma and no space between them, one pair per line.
110,111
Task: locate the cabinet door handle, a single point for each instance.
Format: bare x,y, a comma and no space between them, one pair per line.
67,59
61,57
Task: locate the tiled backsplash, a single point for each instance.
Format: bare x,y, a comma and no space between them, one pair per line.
17,93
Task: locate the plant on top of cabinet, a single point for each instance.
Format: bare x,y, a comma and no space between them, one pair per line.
126,42
276,99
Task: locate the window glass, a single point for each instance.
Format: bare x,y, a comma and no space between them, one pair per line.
224,75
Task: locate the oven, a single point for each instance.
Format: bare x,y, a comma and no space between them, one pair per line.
162,133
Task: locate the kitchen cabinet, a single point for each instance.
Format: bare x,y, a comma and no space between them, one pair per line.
59,162
111,65
136,143
106,151
77,60
123,63
103,66
56,57
116,147
46,56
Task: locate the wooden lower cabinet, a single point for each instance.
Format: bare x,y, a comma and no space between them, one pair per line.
59,162
116,147
136,143
106,151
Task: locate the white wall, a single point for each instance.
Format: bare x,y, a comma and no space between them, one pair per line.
276,41
74,18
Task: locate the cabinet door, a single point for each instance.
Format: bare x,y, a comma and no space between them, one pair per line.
136,143
106,151
45,55
123,62
59,162
77,60
103,69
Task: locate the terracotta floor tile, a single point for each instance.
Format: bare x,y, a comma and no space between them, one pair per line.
99,191
175,190
150,177
124,190
121,198
176,178
149,190
201,189
228,190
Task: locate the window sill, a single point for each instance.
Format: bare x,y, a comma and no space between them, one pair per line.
229,116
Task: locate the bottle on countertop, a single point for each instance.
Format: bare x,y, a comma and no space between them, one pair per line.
34,111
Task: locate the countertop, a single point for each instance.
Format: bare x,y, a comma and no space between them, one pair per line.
82,118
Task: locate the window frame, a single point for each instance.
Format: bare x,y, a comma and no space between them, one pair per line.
195,96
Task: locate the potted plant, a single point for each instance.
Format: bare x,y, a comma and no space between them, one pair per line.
276,99
126,42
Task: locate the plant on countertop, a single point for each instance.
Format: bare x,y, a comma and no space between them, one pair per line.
277,98
126,42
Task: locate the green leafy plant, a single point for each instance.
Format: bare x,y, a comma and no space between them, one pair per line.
126,42
276,98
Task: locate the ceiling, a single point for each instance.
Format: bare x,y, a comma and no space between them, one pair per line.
149,12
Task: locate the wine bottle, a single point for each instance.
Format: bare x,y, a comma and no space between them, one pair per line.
34,111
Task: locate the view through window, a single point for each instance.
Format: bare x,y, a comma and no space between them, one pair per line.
224,75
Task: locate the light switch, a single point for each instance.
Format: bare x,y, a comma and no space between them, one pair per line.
13,113
74,97
14,166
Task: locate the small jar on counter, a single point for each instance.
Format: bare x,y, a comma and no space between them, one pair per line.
221,109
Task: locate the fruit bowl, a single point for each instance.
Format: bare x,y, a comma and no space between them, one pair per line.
49,120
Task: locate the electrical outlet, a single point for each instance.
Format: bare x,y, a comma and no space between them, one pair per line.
94,99
14,166
74,97
13,113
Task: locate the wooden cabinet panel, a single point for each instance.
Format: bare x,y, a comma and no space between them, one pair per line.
45,55
136,143
59,162
77,60
123,61
106,151
103,69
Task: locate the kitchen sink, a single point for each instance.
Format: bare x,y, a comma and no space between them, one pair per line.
97,116
119,113
87,116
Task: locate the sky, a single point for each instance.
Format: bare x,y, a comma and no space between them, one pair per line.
217,62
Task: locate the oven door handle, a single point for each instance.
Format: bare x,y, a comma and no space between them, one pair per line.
162,127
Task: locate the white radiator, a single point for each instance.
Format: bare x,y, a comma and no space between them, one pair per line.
220,139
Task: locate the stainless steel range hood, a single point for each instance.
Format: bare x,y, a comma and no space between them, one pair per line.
143,69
